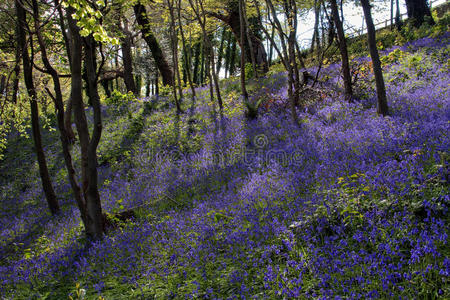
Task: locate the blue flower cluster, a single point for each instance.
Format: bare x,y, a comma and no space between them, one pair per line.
360,213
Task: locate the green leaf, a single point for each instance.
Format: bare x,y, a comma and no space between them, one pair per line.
84,32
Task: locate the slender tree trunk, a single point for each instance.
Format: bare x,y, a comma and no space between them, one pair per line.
158,55
233,57
232,20
291,7
392,14
105,85
209,51
271,46
177,69
138,76
242,36
371,39
68,111
16,72
215,79
287,55
175,58
208,67
196,63
223,37
138,80
202,66
249,41
174,46
147,86
343,50
116,65
28,78
93,203
127,58
186,52
227,55
157,82
15,85
58,100
2,84
398,21
315,38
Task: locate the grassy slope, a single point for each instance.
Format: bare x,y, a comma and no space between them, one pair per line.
357,206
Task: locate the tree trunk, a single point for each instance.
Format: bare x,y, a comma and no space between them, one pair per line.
392,14
93,203
208,51
291,7
28,77
371,39
232,19
249,41
16,74
343,50
287,55
271,46
158,55
2,84
147,86
68,111
398,21
156,82
90,206
417,10
233,55
59,105
127,58
202,64
187,54
223,37
315,38
174,44
243,50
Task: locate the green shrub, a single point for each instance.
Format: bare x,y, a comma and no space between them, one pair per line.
118,99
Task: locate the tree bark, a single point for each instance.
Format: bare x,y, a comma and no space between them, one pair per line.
90,206
28,78
2,84
196,63
417,10
187,53
343,50
220,52
249,41
232,19
127,58
93,203
287,54
243,50
158,55
59,105
174,44
68,111
398,21
315,38
371,39
16,75
209,51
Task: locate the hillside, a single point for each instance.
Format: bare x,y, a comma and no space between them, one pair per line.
347,205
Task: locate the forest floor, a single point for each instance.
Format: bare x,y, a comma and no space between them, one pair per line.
347,205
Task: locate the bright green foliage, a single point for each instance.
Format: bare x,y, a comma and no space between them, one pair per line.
88,19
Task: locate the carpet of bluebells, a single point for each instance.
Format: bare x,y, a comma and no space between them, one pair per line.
347,205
